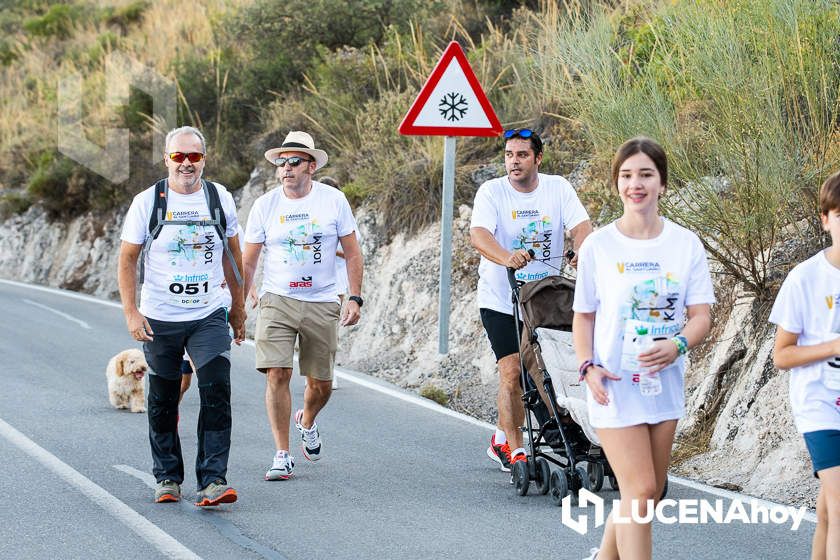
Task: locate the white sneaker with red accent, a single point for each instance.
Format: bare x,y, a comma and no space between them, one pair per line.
310,439
281,467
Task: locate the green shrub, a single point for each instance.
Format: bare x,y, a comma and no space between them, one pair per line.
434,393
12,204
124,16
8,53
59,21
55,183
743,95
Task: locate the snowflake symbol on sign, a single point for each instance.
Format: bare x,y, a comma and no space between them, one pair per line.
453,106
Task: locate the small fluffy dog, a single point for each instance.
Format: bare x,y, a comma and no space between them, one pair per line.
125,373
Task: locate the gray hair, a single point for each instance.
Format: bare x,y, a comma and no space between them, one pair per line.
186,130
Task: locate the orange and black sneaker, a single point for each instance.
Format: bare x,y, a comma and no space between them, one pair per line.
216,493
516,459
167,491
499,453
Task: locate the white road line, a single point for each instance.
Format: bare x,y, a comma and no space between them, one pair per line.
65,293
425,403
144,528
146,478
59,313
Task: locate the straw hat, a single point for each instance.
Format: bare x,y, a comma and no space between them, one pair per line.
298,141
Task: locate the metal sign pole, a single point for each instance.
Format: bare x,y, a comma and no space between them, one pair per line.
447,203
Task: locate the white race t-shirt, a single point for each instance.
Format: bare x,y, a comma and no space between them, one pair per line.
342,281
228,300
184,274
300,237
639,282
534,220
808,305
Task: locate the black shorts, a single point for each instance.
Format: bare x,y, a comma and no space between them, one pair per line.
501,330
203,339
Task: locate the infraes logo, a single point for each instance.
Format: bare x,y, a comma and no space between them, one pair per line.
684,511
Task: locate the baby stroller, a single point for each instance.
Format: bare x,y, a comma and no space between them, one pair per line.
563,420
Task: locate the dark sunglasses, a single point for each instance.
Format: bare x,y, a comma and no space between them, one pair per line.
518,132
294,161
179,157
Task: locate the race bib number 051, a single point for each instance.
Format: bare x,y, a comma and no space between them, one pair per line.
190,290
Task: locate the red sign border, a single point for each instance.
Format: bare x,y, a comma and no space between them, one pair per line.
407,126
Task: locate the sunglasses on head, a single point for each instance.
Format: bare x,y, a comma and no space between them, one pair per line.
294,161
179,157
518,132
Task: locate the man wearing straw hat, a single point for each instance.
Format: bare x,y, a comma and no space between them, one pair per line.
300,224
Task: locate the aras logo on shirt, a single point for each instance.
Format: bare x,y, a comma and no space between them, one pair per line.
637,267
299,217
304,282
525,214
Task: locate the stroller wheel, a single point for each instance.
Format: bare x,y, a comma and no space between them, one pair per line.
596,476
520,477
613,482
558,487
543,475
581,481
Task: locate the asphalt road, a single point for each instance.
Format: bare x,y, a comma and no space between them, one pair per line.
398,480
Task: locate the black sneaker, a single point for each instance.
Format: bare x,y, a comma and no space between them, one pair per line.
499,453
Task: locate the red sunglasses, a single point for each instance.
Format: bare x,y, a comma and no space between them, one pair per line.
179,157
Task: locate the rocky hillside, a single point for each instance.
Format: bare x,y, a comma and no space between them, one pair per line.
738,432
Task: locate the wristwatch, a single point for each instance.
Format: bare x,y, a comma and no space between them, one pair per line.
358,299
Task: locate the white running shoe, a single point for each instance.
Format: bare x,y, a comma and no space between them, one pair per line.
310,439
281,467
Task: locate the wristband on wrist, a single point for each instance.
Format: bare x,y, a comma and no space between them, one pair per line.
584,367
682,344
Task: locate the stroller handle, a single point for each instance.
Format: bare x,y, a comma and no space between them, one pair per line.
511,272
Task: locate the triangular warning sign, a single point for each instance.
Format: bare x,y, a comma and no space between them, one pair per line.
451,102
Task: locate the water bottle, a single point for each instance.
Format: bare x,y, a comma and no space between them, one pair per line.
649,384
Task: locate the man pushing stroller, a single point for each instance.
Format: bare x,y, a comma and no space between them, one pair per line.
523,211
